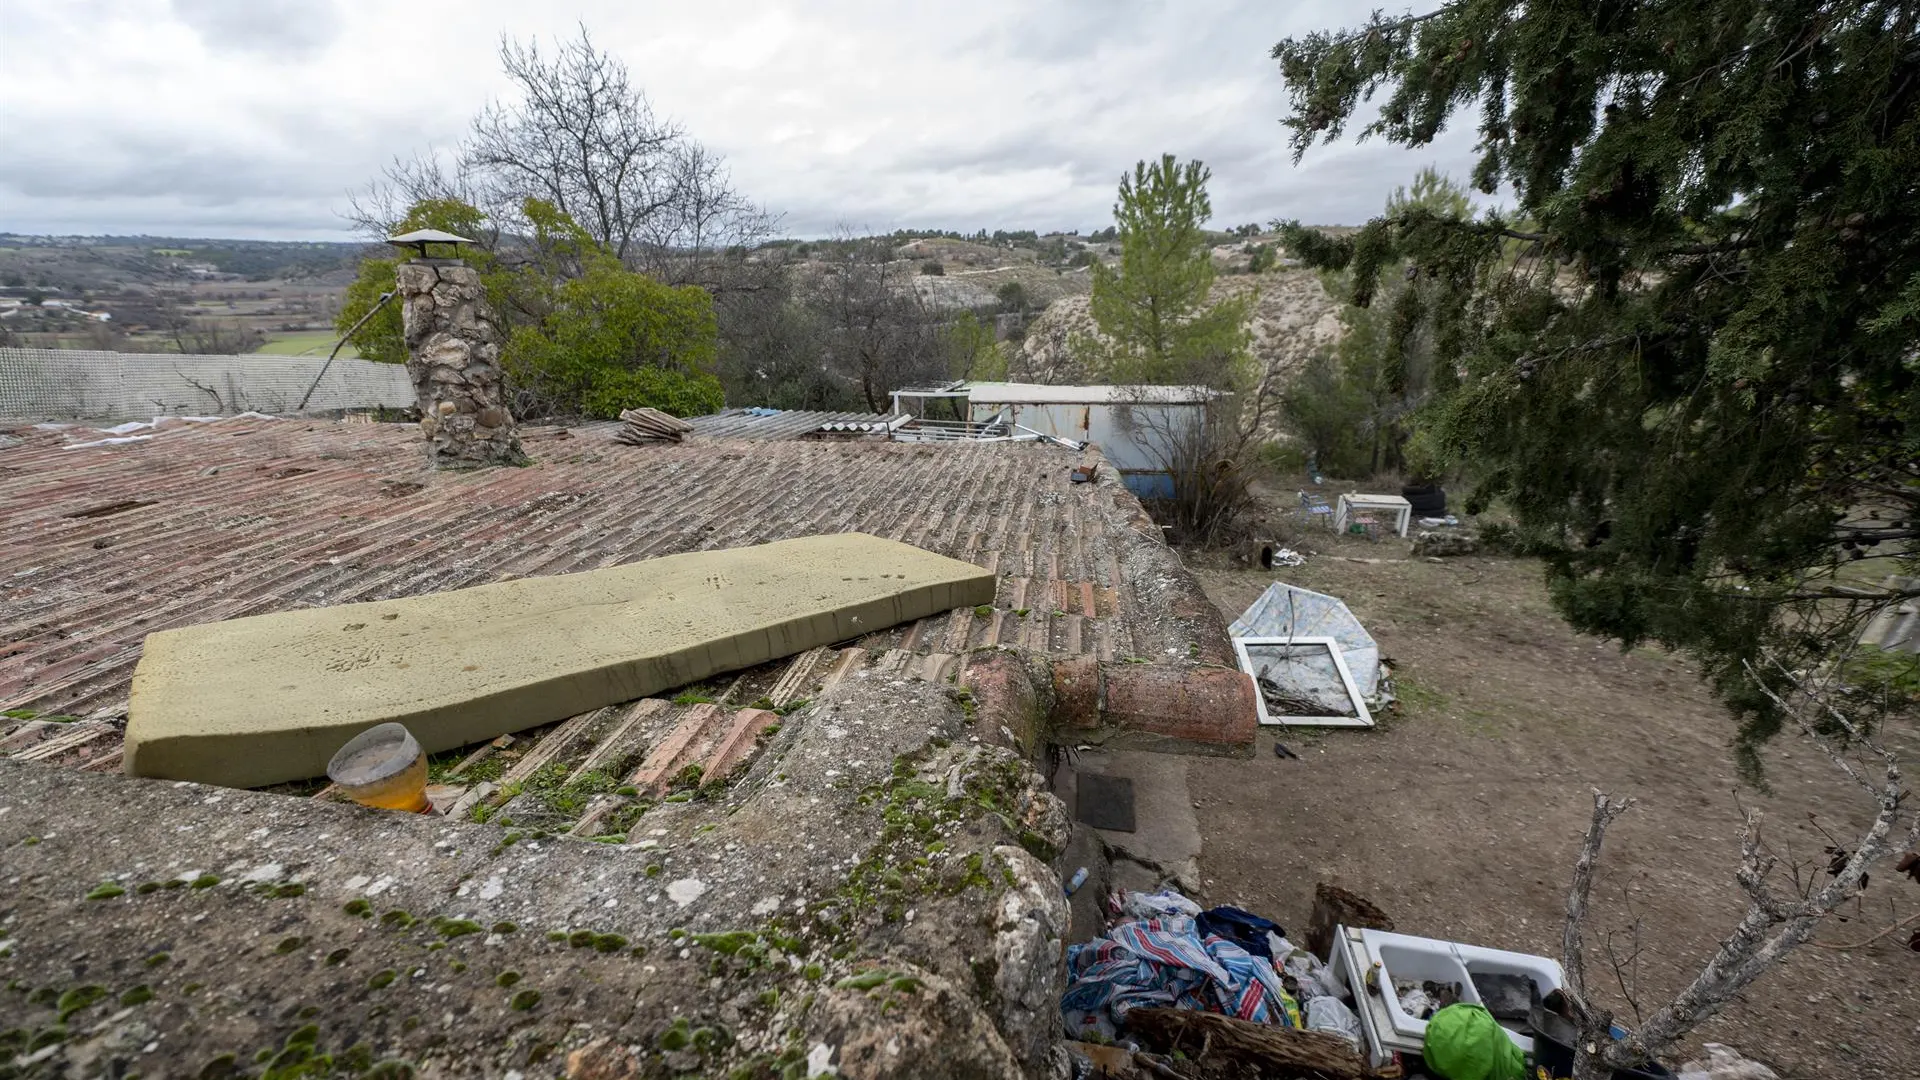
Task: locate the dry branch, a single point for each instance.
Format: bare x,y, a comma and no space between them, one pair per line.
1277,1052
1775,923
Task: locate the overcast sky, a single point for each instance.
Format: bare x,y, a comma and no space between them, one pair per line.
256,118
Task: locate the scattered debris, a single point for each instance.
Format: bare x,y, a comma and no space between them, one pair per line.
638,427
1444,544
1334,907
1168,962
1084,474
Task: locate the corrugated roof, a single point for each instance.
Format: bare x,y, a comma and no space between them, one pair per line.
760,424
1011,393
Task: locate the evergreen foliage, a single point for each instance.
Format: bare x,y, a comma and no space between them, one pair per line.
1153,310
584,336
1356,408
1693,377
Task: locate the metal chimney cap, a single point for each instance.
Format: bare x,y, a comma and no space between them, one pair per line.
420,238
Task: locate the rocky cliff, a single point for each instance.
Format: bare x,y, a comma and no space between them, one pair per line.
1293,314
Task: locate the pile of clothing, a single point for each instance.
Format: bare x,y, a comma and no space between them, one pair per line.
1163,951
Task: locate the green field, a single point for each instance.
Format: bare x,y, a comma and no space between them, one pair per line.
311,343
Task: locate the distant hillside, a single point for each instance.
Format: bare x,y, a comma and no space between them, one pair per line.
96,263
1292,316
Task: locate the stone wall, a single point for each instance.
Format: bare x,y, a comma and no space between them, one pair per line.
453,356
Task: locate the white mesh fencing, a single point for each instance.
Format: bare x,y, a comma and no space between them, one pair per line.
62,384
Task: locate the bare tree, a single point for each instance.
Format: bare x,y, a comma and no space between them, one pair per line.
877,331
194,334
1777,920
429,174
580,136
1203,449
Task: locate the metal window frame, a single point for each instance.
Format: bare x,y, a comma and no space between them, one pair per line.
1362,717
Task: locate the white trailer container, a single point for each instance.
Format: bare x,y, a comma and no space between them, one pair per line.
1138,428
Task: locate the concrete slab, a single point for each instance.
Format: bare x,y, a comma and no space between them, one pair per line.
1166,837
267,699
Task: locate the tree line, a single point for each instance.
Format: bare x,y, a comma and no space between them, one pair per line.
628,271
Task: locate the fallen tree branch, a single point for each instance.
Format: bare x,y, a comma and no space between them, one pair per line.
1276,1052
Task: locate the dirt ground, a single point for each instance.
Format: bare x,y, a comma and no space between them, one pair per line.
1460,816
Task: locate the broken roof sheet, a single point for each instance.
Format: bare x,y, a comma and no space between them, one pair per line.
786,423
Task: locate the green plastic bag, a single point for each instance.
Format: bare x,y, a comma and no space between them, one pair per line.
1464,1042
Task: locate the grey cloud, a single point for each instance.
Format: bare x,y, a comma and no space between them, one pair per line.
279,26
1027,121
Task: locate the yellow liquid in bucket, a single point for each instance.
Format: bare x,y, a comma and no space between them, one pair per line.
360,779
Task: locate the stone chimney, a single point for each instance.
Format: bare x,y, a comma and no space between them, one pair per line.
453,355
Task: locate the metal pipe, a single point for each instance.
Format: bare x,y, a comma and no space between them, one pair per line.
377,305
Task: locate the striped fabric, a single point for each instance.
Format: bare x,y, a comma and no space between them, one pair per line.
1164,963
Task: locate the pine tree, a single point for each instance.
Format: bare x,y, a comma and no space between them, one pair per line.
1693,374
1153,311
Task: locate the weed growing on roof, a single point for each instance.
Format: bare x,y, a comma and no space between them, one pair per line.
506,979
80,997
204,881
106,890
524,1001
984,611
